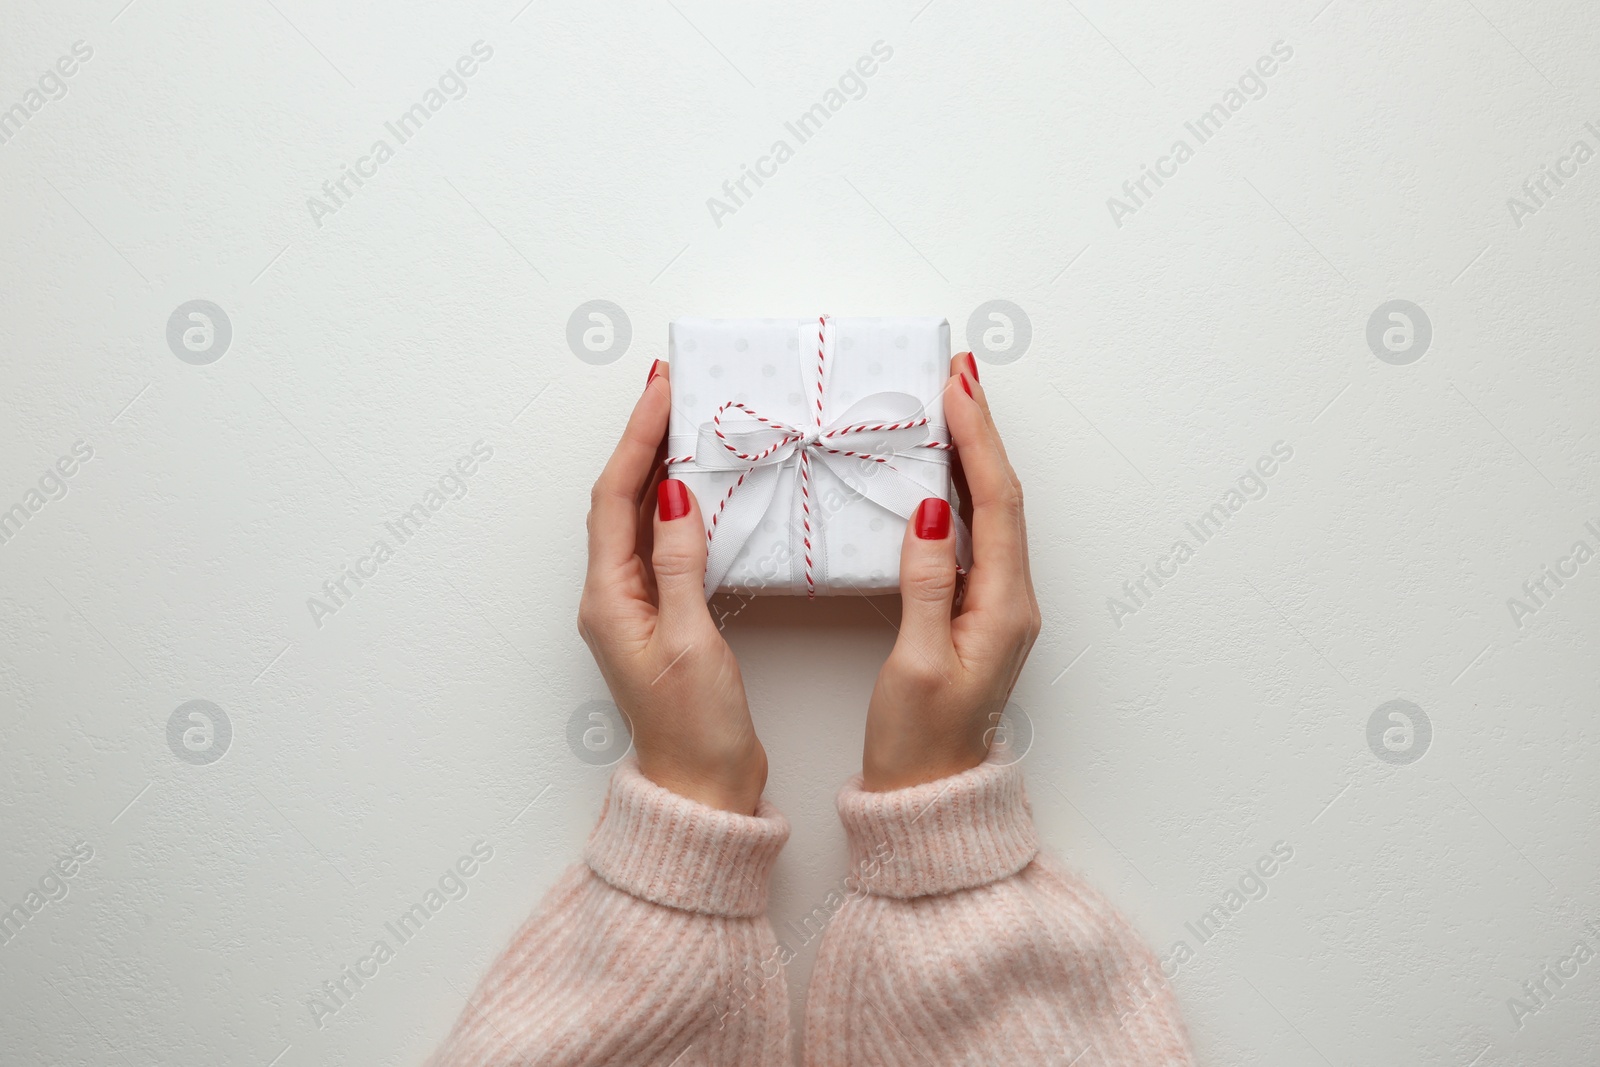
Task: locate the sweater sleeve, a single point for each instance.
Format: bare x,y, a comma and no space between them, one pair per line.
648,952
962,944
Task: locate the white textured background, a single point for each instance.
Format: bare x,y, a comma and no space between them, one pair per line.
373,346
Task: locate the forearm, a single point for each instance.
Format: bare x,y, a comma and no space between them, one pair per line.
966,946
636,955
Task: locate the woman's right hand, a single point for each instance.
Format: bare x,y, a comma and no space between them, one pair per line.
644,617
940,694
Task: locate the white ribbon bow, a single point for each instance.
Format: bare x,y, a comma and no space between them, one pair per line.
860,448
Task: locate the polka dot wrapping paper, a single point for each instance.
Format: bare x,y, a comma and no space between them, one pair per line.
807,443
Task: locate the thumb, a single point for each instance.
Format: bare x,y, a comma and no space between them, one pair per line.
679,554
928,578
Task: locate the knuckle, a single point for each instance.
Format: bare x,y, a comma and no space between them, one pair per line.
929,585
919,672
606,491
1018,622
1019,625
672,563
587,618
1011,495
1006,499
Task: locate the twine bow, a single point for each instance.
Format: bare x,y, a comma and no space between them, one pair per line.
860,448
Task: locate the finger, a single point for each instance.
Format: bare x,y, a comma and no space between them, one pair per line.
958,365
999,537
927,582
645,539
965,366
679,557
963,508
958,475
614,502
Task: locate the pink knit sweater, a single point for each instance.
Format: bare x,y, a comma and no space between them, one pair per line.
954,941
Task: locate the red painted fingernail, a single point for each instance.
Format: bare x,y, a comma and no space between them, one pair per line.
672,500
932,521
967,385
655,369
972,365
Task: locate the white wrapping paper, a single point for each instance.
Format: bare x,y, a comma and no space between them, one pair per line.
874,369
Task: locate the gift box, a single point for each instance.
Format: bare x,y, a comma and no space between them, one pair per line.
808,444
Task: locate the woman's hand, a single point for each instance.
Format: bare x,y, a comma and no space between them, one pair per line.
940,694
643,615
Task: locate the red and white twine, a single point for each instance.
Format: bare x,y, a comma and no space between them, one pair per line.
805,456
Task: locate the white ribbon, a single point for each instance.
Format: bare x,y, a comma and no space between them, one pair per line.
861,448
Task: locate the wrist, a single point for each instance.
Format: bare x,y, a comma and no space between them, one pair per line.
903,766
731,785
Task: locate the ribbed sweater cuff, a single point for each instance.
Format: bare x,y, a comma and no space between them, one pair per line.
665,848
955,833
